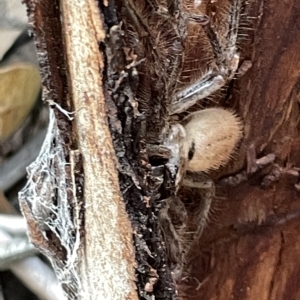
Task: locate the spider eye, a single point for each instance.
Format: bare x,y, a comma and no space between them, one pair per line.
191,151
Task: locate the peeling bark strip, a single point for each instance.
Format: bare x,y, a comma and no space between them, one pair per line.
107,268
82,228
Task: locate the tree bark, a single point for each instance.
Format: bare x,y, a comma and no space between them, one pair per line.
252,232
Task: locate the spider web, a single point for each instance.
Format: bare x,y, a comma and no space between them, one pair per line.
47,194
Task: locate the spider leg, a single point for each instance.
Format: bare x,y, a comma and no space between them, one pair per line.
178,152
206,184
225,48
173,212
199,217
207,187
226,59
201,89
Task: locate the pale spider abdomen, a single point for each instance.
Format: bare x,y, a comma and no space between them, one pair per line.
211,136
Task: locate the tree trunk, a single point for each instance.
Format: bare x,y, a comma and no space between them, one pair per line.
72,200
122,70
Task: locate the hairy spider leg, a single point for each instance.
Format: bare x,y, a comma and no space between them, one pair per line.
189,96
227,60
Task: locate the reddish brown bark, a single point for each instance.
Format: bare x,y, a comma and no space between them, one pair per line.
250,249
